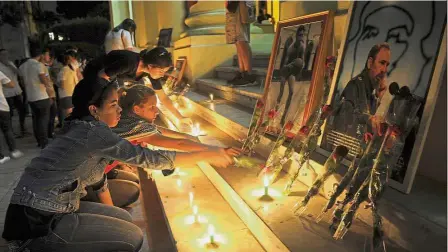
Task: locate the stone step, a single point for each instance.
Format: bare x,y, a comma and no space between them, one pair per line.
228,73
258,60
244,96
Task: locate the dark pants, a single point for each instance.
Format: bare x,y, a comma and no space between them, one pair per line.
18,103
41,114
123,187
5,126
52,118
94,227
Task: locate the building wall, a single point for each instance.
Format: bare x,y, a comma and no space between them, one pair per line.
152,16
16,42
119,11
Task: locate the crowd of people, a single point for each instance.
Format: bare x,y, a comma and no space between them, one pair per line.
42,85
71,196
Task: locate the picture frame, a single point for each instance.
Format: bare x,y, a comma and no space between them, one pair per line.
421,28
177,74
318,26
165,37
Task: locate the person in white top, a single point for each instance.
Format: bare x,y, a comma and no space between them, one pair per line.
5,121
13,95
46,60
66,82
121,37
36,81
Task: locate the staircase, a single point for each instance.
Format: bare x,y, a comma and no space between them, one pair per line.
243,99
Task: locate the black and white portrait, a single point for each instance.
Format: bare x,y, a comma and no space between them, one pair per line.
292,73
386,41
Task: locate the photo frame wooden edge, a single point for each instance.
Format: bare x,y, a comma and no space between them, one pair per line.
324,48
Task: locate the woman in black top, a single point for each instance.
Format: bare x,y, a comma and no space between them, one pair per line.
124,65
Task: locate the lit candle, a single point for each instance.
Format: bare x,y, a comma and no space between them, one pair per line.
195,213
211,233
196,130
176,105
211,97
191,198
266,185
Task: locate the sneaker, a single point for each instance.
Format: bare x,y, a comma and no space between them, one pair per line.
4,160
238,76
17,154
247,81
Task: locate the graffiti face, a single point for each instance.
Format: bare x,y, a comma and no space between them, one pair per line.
397,32
411,29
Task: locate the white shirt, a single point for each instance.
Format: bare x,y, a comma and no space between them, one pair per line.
120,40
3,103
8,70
35,89
67,80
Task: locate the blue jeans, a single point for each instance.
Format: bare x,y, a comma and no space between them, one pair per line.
94,227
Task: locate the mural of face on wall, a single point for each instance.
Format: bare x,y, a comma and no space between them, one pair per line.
413,30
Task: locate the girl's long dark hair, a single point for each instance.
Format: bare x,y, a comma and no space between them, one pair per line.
135,95
88,92
158,56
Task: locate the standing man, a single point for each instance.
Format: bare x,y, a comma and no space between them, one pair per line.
366,91
13,94
5,121
48,63
36,82
239,16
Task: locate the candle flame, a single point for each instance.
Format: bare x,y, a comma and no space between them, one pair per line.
211,230
266,181
195,210
191,197
196,130
211,97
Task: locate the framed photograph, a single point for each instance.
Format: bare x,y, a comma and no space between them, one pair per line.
179,85
386,42
165,37
294,81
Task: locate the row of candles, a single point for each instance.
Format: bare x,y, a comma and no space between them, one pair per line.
211,228
196,131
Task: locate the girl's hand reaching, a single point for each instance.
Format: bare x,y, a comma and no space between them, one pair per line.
223,157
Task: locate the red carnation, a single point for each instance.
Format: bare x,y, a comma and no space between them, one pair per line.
304,130
330,60
368,137
289,125
326,110
260,104
272,113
